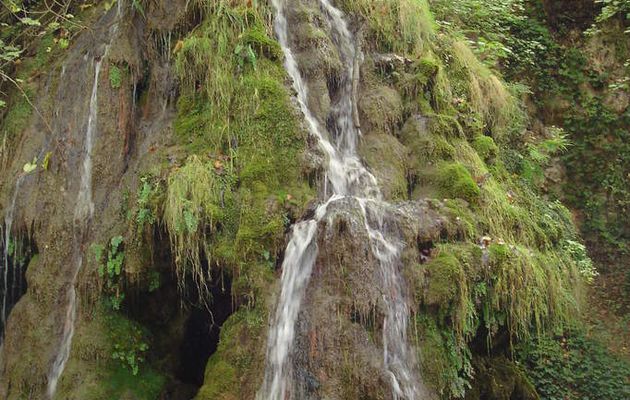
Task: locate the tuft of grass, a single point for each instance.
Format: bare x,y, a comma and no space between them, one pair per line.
192,212
405,27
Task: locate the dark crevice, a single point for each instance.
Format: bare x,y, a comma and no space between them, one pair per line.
185,333
21,251
202,331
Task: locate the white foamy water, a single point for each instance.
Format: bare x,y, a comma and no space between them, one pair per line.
348,178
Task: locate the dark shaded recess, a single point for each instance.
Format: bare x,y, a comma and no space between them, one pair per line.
202,332
570,14
184,332
24,248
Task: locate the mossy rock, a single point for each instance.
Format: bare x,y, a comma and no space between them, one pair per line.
387,159
455,181
381,109
236,369
498,378
425,146
444,272
485,147
426,70
258,39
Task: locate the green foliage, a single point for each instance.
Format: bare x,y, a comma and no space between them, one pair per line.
129,343
147,192
614,8
597,166
111,270
445,361
572,367
583,262
486,24
232,205
115,76
539,153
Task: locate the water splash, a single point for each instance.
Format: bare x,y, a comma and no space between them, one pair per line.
84,210
348,178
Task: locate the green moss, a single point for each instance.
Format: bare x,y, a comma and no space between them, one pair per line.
485,147
222,380
387,158
232,202
115,76
426,69
455,181
237,359
444,274
497,378
94,373
442,360
463,219
259,40
17,117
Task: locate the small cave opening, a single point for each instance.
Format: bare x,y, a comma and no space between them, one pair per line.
185,333
202,332
16,252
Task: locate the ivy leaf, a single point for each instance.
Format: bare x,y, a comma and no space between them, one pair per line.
30,167
115,242
30,21
64,43
14,7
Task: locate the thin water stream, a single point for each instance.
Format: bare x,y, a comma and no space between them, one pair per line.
8,226
348,178
84,210
83,213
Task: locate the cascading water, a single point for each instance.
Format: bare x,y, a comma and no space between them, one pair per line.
8,225
84,210
348,179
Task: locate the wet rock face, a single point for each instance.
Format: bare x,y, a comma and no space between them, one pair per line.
47,198
339,331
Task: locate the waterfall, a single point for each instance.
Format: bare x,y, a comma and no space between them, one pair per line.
8,225
84,210
348,178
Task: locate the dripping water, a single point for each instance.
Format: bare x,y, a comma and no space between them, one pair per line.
83,213
84,210
7,297
347,178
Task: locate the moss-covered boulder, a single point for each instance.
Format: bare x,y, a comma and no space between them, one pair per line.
381,109
387,159
455,181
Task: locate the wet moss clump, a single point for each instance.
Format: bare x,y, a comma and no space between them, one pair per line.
455,181
444,273
485,147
